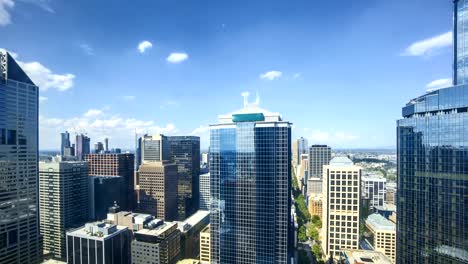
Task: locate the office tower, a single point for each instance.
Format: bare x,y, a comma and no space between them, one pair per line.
299,146
112,164
383,235
19,228
155,148
205,246
158,189
190,230
374,189
82,146
391,193
314,187
341,194
319,155
63,202
65,142
106,144
250,169
356,256
205,191
69,151
432,173
205,158
159,245
99,242
185,152
105,192
98,147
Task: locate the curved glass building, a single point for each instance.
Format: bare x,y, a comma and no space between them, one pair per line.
250,167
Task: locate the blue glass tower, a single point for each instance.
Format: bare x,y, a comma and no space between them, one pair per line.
432,149
250,154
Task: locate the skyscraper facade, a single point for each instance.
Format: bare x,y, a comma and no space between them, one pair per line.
155,148
185,152
63,202
111,164
319,155
82,146
299,146
205,191
65,142
250,167
432,157
19,227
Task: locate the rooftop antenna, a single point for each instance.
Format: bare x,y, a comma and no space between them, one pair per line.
246,98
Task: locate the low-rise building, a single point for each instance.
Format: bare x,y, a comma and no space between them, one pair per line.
157,244
315,205
383,235
190,233
354,256
205,246
99,242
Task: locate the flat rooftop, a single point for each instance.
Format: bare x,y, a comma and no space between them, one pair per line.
101,231
197,217
160,230
379,222
365,256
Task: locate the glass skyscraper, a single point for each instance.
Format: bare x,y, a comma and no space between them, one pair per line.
432,150
250,166
19,229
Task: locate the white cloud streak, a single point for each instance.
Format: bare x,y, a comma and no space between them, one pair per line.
87,49
128,97
144,45
271,75
438,84
428,46
177,57
43,76
5,7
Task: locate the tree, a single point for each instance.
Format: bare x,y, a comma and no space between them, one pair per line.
316,221
317,251
313,233
302,234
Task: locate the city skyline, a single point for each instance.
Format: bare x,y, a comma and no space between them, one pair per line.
192,59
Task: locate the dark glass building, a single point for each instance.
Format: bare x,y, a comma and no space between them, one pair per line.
185,152
105,191
19,226
250,166
432,151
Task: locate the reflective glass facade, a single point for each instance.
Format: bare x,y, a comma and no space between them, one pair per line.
432,202
250,192
19,229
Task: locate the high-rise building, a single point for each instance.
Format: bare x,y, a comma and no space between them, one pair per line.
341,196
205,191
314,187
99,242
155,148
98,147
250,169
383,235
432,167
106,145
112,164
374,189
205,246
63,202
190,230
299,146
82,146
105,192
185,152
19,227
65,142
158,245
158,189
319,155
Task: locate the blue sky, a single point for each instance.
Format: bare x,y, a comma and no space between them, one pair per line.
339,70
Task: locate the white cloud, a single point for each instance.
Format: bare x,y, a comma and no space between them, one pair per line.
93,112
271,75
430,45
144,45
87,49
43,76
99,124
297,75
12,54
438,84
200,130
5,7
176,57
128,97
42,99
204,133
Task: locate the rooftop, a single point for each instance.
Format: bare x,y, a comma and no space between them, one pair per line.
365,256
193,220
251,112
159,230
341,161
97,230
386,207
379,222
